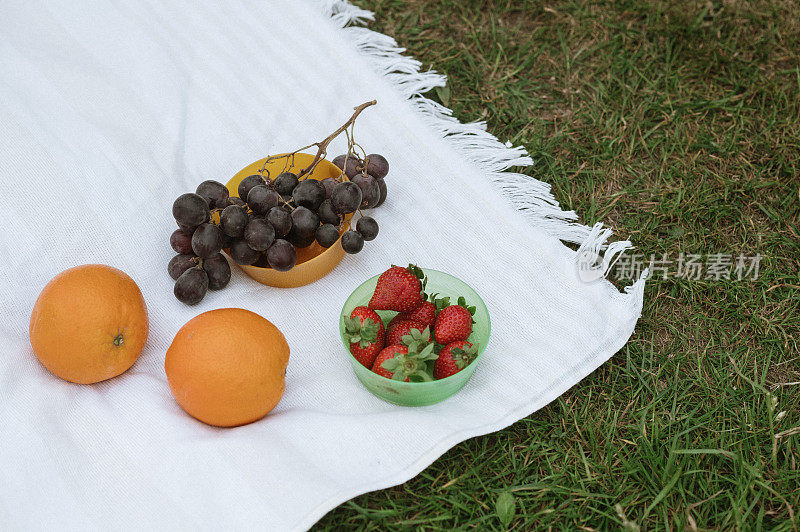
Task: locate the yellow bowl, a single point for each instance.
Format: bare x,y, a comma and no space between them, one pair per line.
313,262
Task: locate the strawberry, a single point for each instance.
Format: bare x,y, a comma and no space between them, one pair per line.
365,313
453,323
365,332
402,328
424,314
454,357
386,354
398,289
402,363
400,316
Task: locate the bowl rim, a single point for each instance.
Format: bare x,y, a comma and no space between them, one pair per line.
434,382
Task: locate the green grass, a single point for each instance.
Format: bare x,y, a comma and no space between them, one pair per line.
679,124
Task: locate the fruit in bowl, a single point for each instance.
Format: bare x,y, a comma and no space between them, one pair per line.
393,326
286,219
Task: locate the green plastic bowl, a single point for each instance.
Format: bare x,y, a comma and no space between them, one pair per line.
419,393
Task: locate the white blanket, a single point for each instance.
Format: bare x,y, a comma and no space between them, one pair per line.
109,112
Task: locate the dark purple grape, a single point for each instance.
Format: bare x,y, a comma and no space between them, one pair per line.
351,167
207,240
214,193
329,184
300,241
309,193
377,165
304,222
226,240
346,198
180,263
285,183
233,220
242,253
367,227
191,286
327,215
327,235
382,186
259,234
261,199
370,191
236,200
218,271
190,209
281,255
262,261
188,229
249,182
281,221
352,242
180,241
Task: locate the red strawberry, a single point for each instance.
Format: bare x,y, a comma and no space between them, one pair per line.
401,328
453,323
365,313
454,357
365,333
400,316
425,314
398,289
388,353
401,363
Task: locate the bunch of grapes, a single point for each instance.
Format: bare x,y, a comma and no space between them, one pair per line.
270,219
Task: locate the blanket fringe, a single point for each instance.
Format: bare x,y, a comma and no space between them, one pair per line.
527,194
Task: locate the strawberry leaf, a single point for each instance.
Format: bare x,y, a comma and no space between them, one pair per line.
417,271
363,333
426,334
414,336
413,348
351,325
421,374
427,353
419,274
441,303
463,357
391,364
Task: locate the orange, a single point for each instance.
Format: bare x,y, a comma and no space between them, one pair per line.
226,367
89,324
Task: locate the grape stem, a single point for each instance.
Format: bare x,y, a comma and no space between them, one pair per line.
287,204
323,144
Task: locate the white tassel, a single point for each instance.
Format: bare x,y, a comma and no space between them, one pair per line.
528,195
344,13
